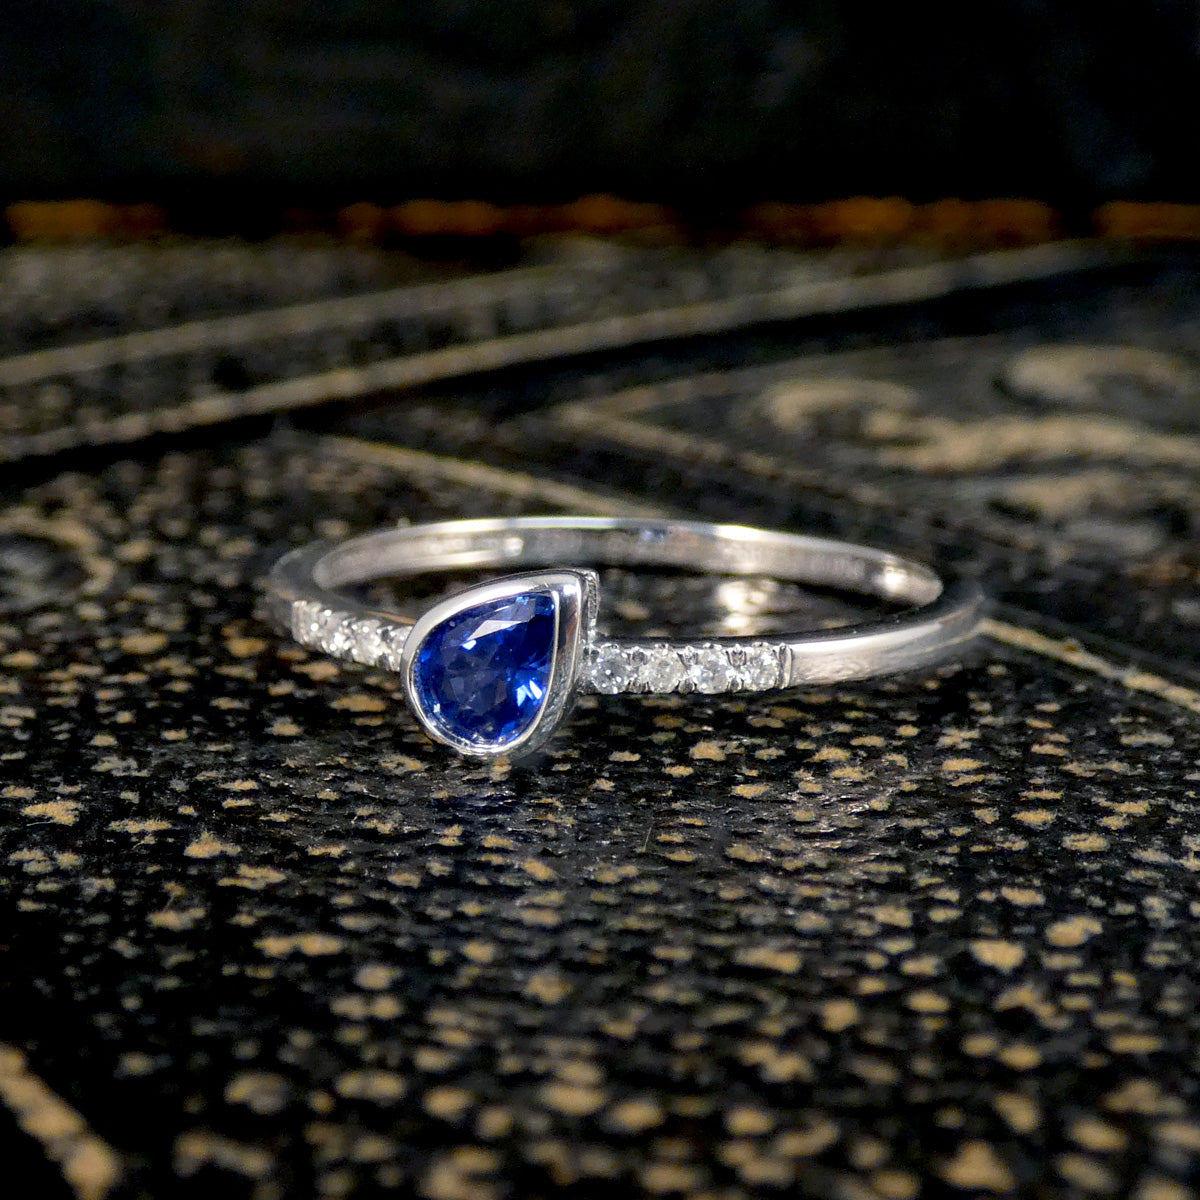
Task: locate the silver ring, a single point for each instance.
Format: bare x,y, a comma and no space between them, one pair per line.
494,669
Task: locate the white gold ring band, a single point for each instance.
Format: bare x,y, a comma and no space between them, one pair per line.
493,669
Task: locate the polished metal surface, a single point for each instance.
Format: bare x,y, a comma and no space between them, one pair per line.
305,587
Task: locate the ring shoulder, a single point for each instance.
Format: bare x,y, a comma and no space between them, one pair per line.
666,668
368,641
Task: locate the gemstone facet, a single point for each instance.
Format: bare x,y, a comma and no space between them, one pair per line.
482,676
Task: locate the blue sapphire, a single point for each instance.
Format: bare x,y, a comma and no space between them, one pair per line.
482,675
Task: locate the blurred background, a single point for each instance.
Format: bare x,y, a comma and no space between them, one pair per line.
227,111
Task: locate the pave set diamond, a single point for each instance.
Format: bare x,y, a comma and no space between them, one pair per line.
365,640
611,667
706,667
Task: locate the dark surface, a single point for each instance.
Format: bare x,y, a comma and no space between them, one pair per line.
933,936
237,103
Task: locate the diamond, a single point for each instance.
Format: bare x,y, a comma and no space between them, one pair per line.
762,669
366,641
321,628
306,622
608,672
333,633
663,671
481,676
393,637
708,669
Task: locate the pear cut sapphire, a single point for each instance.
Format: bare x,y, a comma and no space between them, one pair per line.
482,675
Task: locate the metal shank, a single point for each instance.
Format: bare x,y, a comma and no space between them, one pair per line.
304,588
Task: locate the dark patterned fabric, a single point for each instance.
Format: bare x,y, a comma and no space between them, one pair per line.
929,936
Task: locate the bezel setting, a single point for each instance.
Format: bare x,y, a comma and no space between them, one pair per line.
307,594
575,598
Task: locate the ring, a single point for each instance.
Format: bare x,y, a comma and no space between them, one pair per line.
493,669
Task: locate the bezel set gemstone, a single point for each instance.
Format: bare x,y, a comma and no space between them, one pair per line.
483,675
535,628
569,661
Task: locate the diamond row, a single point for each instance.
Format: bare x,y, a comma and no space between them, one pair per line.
612,667
365,640
704,667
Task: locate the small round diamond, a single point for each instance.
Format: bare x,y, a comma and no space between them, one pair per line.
305,614
394,637
335,635
761,669
708,669
663,671
607,671
367,645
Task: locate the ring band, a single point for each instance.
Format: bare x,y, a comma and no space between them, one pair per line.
493,669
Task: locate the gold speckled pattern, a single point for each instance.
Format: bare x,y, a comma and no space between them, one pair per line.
922,937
